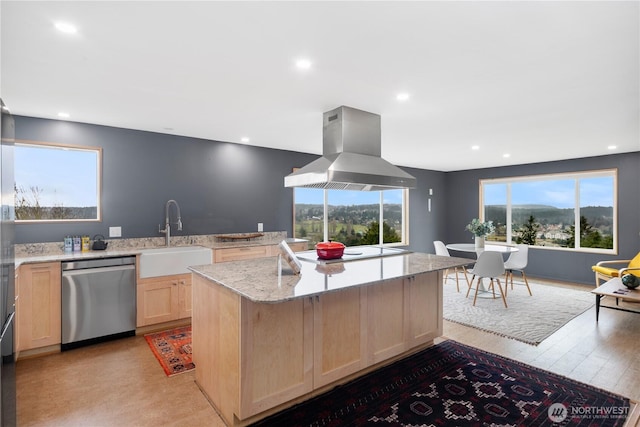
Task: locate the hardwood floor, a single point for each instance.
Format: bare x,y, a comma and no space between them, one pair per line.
121,383
118,383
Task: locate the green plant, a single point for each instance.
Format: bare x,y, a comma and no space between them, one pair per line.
479,228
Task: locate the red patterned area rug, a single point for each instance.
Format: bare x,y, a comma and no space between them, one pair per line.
172,348
451,384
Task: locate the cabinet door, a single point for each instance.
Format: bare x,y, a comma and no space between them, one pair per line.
276,354
157,302
186,302
339,344
385,320
423,297
39,312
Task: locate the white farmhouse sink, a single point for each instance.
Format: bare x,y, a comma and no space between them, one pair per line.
172,260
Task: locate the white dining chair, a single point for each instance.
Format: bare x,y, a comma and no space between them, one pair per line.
491,266
442,250
517,261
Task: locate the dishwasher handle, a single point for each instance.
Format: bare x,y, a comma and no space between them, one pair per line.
69,273
98,262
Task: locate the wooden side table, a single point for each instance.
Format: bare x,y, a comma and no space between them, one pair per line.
614,288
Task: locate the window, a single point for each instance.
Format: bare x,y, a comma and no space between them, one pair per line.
353,217
572,211
56,182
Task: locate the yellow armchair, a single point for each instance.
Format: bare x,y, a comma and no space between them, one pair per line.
605,270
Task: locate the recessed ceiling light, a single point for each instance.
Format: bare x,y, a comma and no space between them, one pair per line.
506,155
244,139
67,28
303,64
612,147
475,147
402,96
63,115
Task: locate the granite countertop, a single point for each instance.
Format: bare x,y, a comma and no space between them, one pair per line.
70,256
268,280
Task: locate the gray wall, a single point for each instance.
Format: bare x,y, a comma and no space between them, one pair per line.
223,188
220,187
463,204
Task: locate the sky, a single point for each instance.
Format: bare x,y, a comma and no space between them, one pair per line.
67,177
596,191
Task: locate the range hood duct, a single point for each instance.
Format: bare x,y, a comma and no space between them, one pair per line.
351,156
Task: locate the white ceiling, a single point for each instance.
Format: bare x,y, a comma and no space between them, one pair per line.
538,80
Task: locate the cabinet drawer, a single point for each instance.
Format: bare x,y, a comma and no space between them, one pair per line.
235,254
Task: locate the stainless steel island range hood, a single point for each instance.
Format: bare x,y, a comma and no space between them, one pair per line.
351,156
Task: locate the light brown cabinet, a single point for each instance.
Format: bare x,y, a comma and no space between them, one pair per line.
39,307
278,344
339,341
386,320
185,302
423,304
163,299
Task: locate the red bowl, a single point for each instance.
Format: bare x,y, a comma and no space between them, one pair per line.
329,250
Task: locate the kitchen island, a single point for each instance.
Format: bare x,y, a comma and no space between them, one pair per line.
265,339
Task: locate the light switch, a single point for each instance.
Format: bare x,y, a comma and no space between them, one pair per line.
115,231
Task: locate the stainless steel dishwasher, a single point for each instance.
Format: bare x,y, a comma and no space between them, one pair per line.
98,300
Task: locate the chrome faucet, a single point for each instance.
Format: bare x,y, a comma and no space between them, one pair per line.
167,224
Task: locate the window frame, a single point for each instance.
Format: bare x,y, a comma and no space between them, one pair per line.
66,147
577,176
405,216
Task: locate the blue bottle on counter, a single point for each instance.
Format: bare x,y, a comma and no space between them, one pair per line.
68,244
77,244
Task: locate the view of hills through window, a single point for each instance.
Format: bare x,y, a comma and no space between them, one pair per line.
56,183
353,216
545,212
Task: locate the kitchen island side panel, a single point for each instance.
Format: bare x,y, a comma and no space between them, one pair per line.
216,345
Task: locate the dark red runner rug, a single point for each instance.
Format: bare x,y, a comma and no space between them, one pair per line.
172,348
451,384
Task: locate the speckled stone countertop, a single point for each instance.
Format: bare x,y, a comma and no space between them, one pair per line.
53,251
268,280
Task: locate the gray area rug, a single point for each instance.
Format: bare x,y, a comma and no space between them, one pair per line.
529,319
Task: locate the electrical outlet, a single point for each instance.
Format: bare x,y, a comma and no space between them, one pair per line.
115,231
260,227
